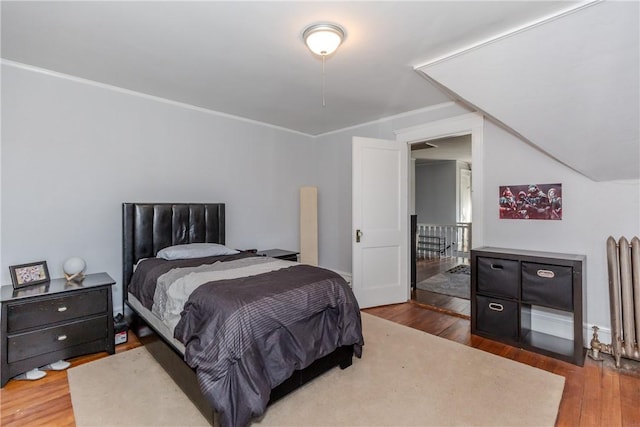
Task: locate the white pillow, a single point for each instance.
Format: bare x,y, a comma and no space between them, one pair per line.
194,250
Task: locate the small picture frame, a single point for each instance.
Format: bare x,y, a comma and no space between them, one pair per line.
29,274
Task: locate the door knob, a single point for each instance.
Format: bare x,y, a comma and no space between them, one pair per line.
358,236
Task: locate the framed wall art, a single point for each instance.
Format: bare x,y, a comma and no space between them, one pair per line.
533,201
29,274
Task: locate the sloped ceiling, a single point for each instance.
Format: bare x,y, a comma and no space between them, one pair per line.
569,86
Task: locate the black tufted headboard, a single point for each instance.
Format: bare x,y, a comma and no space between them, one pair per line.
149,227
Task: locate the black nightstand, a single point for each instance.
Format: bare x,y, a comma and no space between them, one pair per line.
280,254
44,323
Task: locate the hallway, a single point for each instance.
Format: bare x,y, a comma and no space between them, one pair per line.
427,267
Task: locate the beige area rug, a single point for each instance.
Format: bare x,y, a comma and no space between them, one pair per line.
405,378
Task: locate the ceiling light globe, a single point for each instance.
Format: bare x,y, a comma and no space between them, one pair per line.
323,39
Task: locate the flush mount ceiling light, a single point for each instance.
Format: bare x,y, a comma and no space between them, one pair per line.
323,39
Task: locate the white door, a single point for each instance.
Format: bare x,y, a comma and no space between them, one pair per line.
380,234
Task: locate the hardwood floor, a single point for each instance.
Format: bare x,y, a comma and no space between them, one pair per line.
594,395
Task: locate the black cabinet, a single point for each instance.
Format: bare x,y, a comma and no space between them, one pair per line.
509,288
52,321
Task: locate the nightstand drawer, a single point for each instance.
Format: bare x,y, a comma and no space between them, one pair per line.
30,344
45,312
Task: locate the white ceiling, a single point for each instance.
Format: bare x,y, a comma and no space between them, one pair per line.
248,59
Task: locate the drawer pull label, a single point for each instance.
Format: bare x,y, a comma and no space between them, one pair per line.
547,274
61,309
495,306
496,267
62,337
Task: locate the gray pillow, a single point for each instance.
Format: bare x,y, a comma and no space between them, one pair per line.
194,250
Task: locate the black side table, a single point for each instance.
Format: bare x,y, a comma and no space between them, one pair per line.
57,320
280,254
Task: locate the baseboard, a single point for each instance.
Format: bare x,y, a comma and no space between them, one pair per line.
560,324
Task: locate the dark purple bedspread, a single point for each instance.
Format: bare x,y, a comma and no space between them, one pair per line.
144,280
247,335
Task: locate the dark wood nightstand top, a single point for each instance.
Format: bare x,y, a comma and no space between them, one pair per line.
278,253
55,286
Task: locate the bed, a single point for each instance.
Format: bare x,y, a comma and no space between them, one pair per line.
235,331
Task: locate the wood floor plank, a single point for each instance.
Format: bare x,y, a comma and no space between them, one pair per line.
591,397
630,399
458,332
571,403
611,401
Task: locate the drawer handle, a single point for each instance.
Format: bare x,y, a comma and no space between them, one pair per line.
496,267
547,274
62,337
61,309
495,306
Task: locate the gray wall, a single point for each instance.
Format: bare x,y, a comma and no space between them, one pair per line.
436,192
73,152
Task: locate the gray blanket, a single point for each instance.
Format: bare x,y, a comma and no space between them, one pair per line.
244,336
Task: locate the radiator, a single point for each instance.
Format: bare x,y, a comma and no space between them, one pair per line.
623,261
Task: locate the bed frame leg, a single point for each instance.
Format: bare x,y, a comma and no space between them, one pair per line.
345,363
347,357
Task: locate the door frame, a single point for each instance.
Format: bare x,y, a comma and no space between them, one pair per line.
466,124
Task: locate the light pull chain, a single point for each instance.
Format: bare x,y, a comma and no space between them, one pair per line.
324,104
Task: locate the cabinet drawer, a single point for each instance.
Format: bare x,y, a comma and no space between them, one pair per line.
45,312
30,344
498,277
547,285
497,317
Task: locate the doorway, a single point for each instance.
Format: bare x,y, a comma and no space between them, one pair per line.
466,124
441,194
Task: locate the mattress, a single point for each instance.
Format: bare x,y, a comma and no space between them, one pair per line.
155,323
